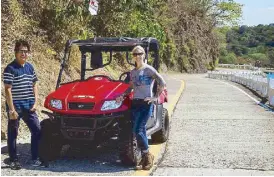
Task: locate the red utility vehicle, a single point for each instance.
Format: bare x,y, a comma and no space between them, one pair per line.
85,111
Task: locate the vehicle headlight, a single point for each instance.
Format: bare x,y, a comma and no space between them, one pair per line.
109,105
56,103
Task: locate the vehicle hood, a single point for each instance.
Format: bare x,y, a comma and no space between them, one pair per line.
92,90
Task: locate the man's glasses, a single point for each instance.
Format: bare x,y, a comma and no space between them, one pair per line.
137,54
23,51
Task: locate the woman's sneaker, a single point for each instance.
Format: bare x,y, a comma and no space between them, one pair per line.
44,164
148,164
15,165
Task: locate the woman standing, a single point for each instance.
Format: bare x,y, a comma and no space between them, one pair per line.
142,79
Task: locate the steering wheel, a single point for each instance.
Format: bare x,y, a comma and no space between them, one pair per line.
125,77
99,77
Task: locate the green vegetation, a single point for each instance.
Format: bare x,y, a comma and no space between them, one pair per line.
184,28
246,45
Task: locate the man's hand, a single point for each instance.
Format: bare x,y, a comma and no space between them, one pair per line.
119,98
13,115
150,100
33,109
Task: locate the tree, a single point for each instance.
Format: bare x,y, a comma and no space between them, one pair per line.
220,12
252,42
230,58
270,54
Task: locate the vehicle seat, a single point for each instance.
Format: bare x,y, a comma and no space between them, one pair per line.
127,79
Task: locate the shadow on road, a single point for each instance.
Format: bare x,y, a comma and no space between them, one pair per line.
103,159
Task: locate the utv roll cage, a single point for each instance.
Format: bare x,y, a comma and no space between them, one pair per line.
96,46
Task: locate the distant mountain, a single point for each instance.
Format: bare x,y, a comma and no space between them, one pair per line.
249,44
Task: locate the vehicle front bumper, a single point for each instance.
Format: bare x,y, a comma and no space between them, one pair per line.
88,127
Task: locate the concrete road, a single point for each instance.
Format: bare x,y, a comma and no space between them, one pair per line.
103,161
218,130
215,130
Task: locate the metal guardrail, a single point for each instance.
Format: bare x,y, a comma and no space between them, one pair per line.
257,81
250,67
245,66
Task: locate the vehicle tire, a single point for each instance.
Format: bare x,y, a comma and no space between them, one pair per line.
130,152
161,136
50,144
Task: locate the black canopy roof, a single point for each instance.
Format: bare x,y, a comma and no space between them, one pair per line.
115,43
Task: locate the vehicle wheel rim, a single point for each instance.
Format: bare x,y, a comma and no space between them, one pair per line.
136,151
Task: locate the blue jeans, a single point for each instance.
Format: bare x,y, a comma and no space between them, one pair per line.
32,121
141,111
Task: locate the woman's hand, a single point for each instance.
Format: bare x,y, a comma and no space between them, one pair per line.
150,100
119,98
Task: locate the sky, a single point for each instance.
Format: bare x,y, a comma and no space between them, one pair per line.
257,12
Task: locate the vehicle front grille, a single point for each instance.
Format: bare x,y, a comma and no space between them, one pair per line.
88,121
80,106
78,122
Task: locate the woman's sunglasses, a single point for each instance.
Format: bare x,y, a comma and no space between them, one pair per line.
137,54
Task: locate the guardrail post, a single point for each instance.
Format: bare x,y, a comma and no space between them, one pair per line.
270,79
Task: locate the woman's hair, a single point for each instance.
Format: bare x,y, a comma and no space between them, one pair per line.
139,49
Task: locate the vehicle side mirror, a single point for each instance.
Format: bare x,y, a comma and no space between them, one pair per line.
96,60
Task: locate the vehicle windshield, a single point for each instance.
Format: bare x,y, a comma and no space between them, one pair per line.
97,63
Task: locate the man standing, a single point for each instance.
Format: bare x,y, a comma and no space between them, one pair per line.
21,99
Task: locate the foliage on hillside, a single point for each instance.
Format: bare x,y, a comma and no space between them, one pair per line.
184,28
246,44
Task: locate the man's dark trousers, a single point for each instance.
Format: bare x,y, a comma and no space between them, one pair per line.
32,121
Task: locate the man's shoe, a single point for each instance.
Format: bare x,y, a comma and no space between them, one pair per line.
36,163
44,164
15,165
148,164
